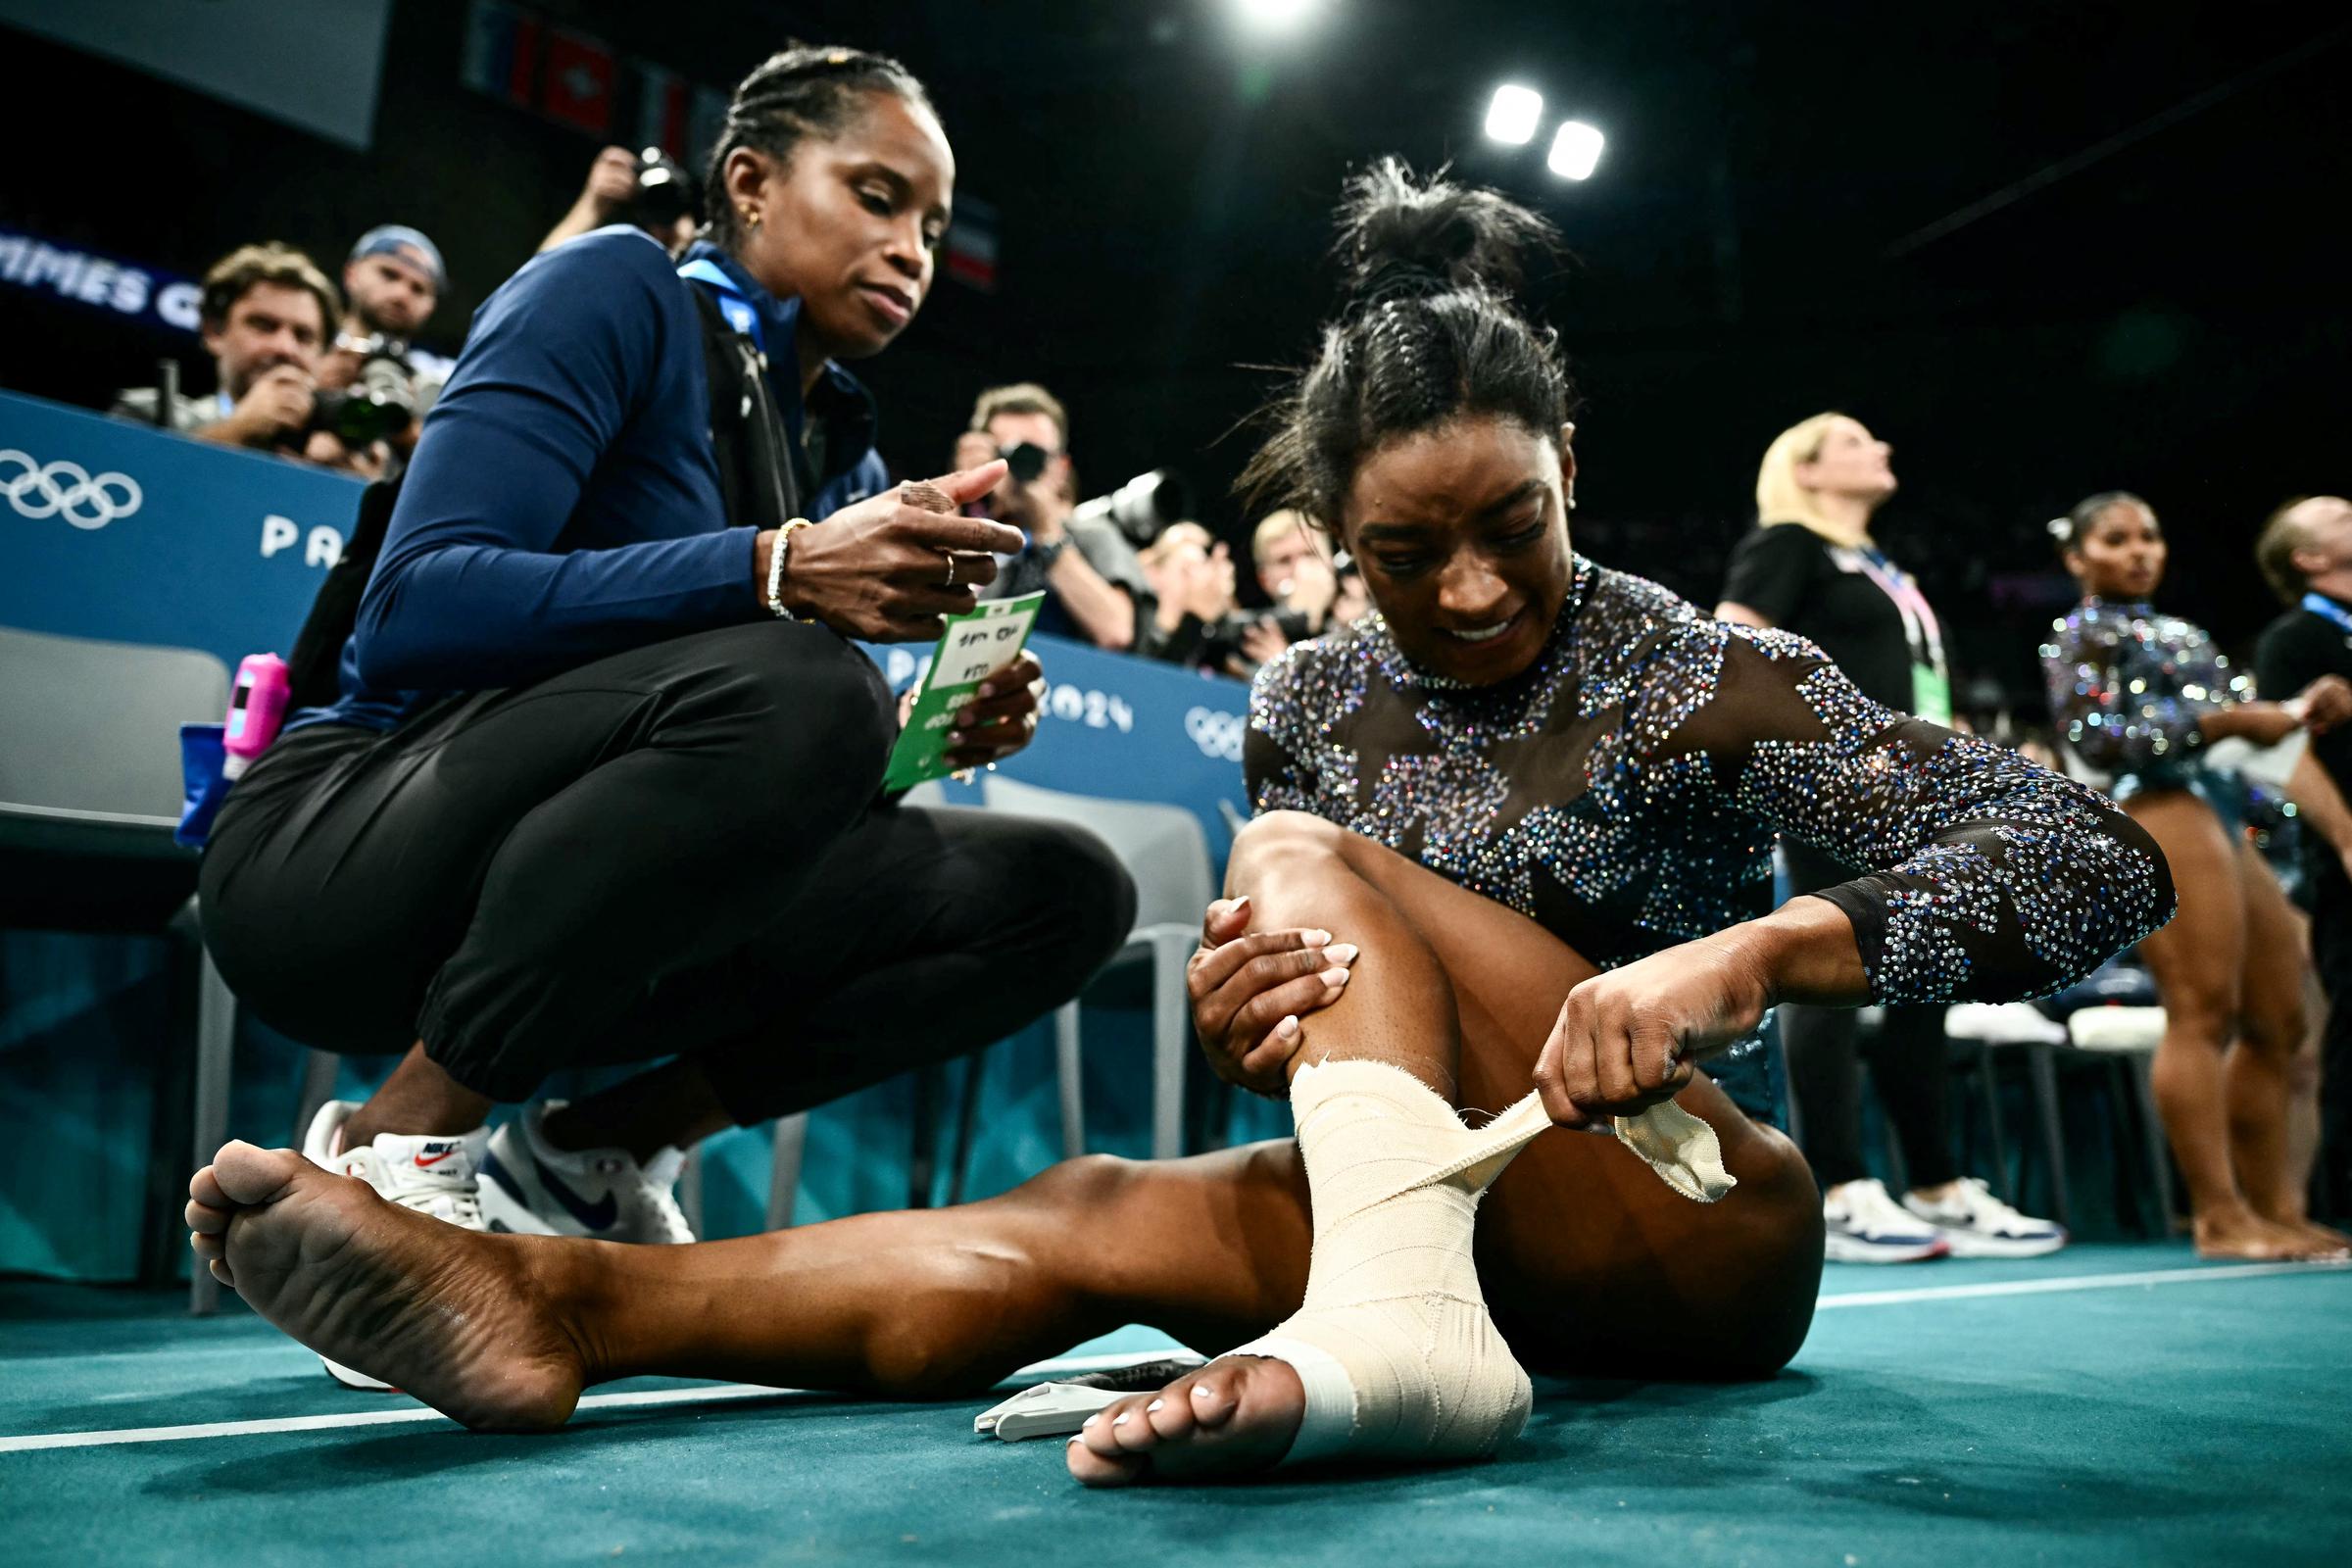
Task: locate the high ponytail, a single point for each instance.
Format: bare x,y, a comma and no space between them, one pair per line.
1430,328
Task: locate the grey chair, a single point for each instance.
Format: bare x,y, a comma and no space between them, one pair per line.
89,794
1165,851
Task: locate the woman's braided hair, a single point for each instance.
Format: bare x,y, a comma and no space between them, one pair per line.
801,91
2069,531
1430,328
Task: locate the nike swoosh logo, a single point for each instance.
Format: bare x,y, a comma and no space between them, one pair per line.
423,1164
597,1216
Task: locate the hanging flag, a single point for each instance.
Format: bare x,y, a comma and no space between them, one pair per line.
575,84
705,122
972,247
661,109
501,52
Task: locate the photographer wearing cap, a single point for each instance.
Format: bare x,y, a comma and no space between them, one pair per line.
1096,590
393,279
644,190
264,315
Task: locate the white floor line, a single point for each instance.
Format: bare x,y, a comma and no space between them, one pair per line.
2077,1282
725,1392
714,1394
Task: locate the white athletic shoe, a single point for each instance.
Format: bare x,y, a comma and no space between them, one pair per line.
1977,1224
531,1186
430,1174
1865,1226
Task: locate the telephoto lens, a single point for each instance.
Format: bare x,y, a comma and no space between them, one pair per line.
1026,460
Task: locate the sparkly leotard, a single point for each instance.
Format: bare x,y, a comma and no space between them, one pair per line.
1624,791
2128,687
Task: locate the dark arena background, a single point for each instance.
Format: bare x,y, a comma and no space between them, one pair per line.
2041,250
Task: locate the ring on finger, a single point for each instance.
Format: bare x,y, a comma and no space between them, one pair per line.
950,554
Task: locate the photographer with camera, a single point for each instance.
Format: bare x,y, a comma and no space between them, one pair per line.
264,314
645,190
370,389
1096,590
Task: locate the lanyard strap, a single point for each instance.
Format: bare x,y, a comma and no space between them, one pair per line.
733,303
1920,633
2329,610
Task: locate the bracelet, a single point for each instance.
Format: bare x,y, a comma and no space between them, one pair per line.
775,568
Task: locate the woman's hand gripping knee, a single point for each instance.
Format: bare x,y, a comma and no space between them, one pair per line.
1249,990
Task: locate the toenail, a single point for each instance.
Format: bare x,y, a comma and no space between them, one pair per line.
1153,1406
1090,1420
1122,1419
1200,1390
1073,1443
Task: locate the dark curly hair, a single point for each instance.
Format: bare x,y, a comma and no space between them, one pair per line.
801,91
1430,327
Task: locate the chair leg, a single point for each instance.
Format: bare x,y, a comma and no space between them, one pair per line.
690,1190
1171,1039
1068,1065
215,1042
968,1116
2044,1062
2160,1154
2001,1186
319,1070
784,1179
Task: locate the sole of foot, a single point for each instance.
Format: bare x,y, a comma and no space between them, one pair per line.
455,1318
1233,1417
2262,1240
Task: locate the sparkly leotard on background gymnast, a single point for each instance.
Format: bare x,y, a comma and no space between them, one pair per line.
1623,791
2128,687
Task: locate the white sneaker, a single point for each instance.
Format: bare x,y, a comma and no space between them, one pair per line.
1977,1224
431,1175
1866,1227
531,1186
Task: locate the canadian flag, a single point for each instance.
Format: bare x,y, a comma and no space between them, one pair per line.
575,83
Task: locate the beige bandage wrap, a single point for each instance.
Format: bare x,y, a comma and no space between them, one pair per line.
1394,1344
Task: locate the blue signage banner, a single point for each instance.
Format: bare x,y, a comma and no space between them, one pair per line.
114,530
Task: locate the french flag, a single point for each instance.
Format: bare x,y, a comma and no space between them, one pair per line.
501,52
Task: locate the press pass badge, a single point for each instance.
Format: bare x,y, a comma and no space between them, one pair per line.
971,648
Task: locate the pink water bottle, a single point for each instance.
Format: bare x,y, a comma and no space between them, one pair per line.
255,709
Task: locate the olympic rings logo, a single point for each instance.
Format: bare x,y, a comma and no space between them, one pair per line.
69,490
1217,733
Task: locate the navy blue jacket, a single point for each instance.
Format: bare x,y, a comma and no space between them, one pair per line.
563,502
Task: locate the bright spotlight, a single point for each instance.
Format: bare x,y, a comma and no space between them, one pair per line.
1575,151
1274,16
1513,115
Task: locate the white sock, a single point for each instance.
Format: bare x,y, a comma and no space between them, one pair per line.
1394,1344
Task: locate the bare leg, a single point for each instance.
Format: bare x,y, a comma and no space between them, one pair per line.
668,1106
1628,1279
2272,1028
2199,963
420,1098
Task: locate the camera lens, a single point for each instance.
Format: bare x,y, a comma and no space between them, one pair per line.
1026,460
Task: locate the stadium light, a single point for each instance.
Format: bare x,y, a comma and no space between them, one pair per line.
1512,116
1273,16
1574,150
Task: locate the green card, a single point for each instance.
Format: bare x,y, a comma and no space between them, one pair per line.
971,648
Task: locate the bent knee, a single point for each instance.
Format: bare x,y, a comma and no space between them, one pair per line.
1282,840
803,689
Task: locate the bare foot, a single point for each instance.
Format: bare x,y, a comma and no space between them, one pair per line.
1235,1416
452,1317
2246,1235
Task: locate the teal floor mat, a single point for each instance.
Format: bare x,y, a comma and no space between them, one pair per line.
2116,1406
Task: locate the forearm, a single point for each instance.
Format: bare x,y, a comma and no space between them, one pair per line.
2321,803
572,226
2263,723
225,433
1103,612
1804,951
